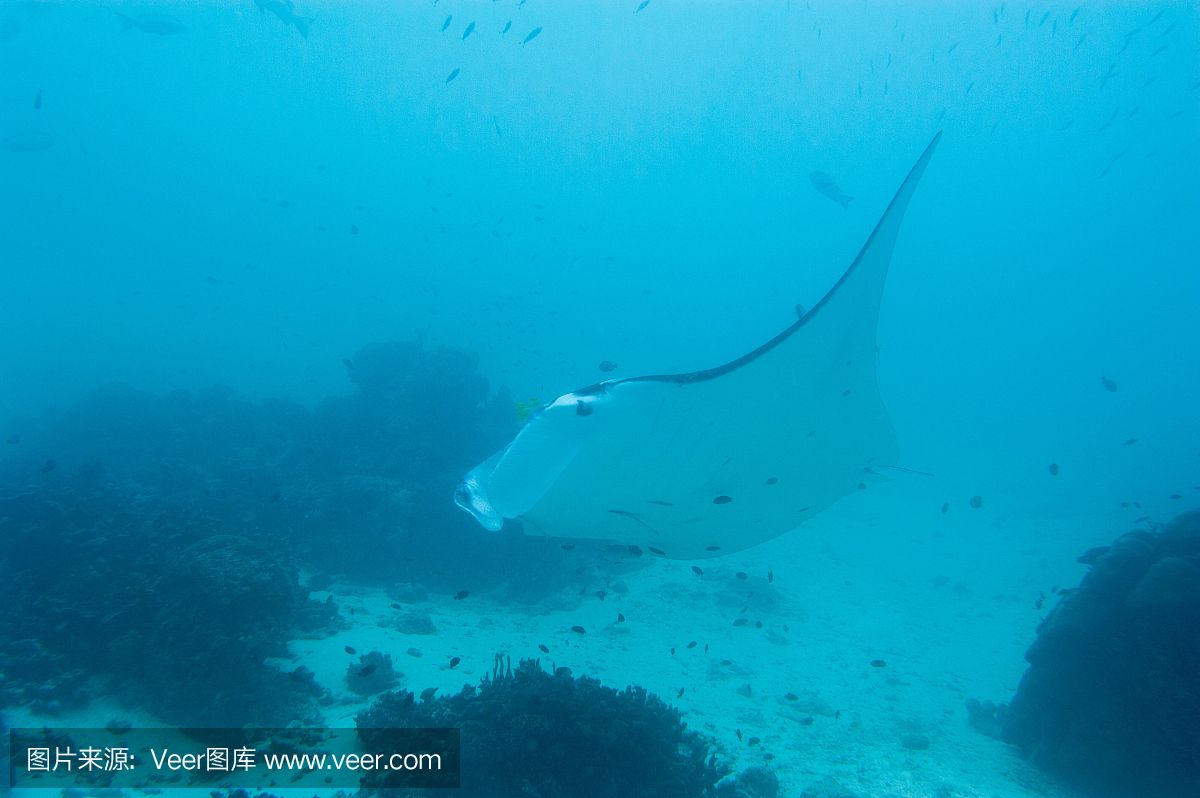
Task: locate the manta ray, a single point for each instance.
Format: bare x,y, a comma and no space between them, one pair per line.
710,462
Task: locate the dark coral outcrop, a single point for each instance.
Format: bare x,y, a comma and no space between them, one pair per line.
1111,699
528,732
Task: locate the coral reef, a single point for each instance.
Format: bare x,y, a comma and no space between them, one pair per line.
1111,698
527,732
373,673
96,586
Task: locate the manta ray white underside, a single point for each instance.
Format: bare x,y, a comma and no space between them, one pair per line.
710,462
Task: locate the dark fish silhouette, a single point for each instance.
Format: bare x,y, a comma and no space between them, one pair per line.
533,34
286,11
1053,469
446,24
1109,385
453,74
543,648
579,630
607,365
470,29
454,662
827,186
351,650
462,594
878,663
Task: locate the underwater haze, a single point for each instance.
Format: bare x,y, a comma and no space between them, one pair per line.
275,274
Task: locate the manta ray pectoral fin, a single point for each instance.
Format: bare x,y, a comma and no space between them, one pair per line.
716,460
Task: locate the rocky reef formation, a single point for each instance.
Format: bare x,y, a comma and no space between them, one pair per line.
1111,699
529,732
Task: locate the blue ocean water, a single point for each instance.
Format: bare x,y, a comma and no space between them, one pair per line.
276,274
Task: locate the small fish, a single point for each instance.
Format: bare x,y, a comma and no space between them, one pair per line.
976,502
351,650
533,34
37,100
29,141
641,6
740,622
659,552
607,366
446,24
462,594
454,662
366,671
48,466
770,576
791,697
396,606
1092,554
742,575
692,644
507,27
542,647
753,741
680,693
878,663
13,439
807,720
636,551
712,548
428,693
826,185
579,630
722,499
1130,442
945,507
453,74
353,229
620,618
470,29
697,570
1109,385
286,11
739,734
